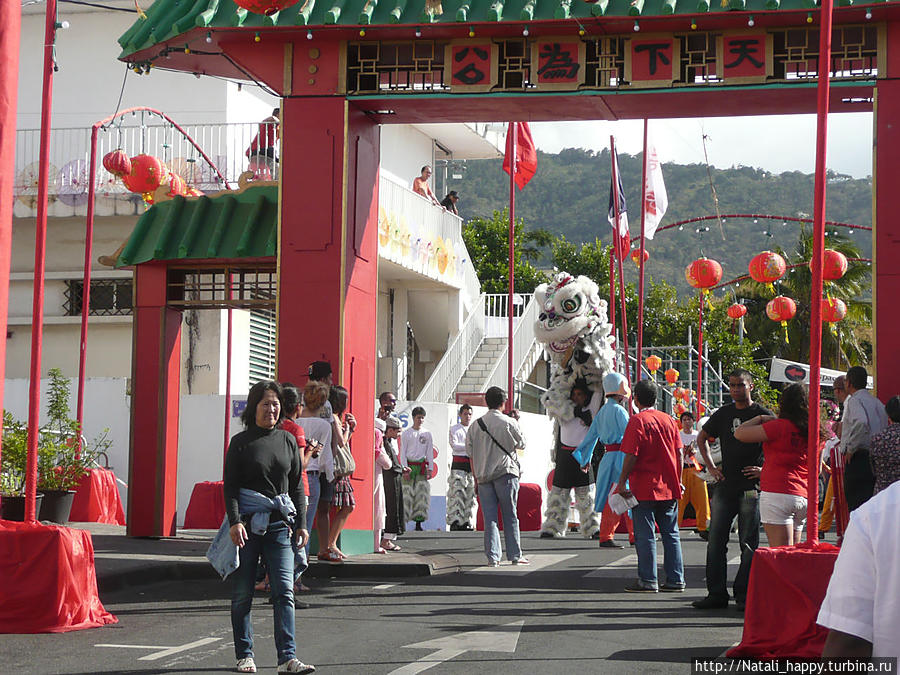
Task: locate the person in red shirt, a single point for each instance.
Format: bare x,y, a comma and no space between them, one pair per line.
652,468
782,482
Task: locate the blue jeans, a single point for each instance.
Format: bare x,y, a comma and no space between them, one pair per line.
502,492
275,546
301,555
727,503
665,514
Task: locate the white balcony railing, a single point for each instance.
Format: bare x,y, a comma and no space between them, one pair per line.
523,346
442,384
416,234
224,144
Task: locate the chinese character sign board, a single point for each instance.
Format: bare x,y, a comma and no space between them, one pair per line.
744,57
557,64
470,65
652,61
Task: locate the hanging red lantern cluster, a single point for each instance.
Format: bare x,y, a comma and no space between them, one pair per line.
703,273
117,163
834,265
671,376
147,173
736,311
636,256
781,309
265,7
834,310
767,267
653,363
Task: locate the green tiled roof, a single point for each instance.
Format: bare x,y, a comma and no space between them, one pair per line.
228,225
167,19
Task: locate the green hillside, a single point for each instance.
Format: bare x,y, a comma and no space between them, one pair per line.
569,196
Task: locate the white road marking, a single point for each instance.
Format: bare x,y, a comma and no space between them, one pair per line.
501,639
163,651
722,655
736,560
538,561
383,587
626,561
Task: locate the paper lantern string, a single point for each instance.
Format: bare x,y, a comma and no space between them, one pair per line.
787,340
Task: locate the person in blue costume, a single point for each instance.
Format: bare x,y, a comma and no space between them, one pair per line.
608,427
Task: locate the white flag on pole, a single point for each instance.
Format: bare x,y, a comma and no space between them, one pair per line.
656,201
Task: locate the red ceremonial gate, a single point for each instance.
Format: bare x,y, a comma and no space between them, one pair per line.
344,68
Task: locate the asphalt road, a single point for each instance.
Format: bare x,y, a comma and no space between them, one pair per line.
567,613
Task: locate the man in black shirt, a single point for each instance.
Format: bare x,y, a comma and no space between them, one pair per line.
736,493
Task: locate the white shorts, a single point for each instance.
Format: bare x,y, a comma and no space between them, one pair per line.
776,508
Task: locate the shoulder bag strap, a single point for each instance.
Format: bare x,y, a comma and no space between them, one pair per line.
497,443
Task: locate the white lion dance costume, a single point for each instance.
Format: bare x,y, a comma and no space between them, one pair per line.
461,505
573,327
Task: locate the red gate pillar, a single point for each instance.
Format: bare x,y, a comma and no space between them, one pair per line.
886,237
328,268
155,382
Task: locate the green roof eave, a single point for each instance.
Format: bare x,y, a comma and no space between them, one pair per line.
228,225
169,19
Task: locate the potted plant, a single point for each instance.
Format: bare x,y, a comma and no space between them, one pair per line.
12,469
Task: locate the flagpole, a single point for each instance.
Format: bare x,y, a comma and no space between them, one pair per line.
640,326
513,128
619,254
612,287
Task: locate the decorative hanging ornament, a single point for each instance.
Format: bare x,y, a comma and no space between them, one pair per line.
117,163
671,376
834,265
266,7
766,268
636,256
736,311
834,310
782,309
177,186
147,173
653,364
703,273
678,393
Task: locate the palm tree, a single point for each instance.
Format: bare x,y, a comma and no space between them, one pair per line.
843,344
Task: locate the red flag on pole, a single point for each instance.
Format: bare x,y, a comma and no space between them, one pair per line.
526,155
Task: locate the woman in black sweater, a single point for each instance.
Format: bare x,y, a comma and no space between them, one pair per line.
262,482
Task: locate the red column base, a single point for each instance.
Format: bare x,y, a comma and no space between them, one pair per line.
97,499
48,583
798,577
206,509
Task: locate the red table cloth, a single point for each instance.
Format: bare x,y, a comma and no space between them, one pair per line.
97,499
528,509
787,587
48,583
206,508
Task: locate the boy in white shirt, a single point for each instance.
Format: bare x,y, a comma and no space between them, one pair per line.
461,488
416,452
695,492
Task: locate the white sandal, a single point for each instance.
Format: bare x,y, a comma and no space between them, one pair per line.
295,666
246,665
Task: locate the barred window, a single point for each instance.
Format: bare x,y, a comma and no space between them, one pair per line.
109,297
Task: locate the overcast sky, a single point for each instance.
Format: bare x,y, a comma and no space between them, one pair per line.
775,143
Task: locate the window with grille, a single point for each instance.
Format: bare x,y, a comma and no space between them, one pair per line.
109,297
262,345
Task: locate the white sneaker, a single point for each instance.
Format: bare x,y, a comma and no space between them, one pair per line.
295,666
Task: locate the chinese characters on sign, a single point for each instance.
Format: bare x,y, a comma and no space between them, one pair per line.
558,62
471,65
652,61
744,57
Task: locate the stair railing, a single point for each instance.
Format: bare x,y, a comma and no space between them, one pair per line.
523,343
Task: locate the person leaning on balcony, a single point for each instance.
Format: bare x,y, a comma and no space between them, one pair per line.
421,186
263,150
449,202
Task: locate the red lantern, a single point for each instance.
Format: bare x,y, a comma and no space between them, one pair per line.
781,309
636,256
834,265
177,186
736,311
267,7
117,163
767,267
680,394
653,363
147,174
703,273
833,310
671,376
680,409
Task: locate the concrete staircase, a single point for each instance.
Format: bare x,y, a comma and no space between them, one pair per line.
482,365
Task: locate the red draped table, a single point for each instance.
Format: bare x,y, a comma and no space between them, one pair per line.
206,509
48,583
787,587
97,499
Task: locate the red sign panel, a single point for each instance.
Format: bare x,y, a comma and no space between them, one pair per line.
744,55
471,64
558,63
652,59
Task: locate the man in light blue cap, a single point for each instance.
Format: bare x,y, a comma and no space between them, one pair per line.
608,427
